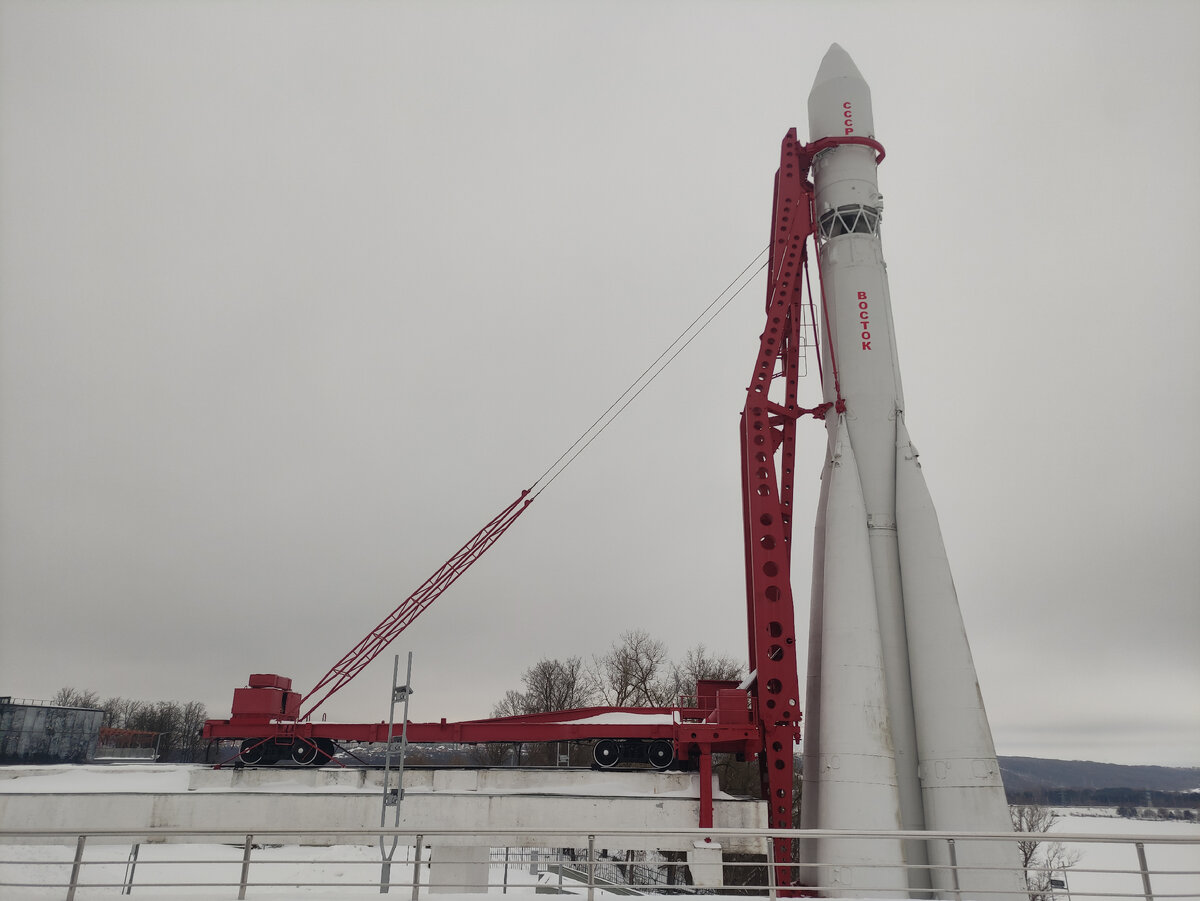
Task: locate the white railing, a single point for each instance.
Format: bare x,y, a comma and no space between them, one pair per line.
215,863
9,700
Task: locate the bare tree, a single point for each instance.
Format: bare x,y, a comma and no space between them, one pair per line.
512,704
161,717
1041,860
73,697
634,673
697,664
177,725
111,708
552,684
120,712
191,720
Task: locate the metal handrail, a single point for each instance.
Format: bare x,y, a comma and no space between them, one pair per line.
1085,837
590,867
9,700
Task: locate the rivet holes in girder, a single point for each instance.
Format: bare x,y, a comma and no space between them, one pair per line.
768,489
773,620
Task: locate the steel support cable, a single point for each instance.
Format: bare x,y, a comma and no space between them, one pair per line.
378,639
773,284
629,395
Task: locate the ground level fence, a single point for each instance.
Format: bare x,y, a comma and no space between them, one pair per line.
214,864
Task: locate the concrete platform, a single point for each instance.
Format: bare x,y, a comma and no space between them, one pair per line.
436,800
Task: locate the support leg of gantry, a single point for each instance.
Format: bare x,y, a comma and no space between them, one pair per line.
459,870
706,864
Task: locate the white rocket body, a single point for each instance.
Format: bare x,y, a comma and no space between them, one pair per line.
896,734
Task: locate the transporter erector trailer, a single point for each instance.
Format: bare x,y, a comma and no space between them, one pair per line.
896,733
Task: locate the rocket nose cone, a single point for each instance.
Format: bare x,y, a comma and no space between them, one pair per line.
840,101
836,64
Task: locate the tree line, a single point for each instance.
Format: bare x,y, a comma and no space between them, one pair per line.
636,671
176,725
1104,797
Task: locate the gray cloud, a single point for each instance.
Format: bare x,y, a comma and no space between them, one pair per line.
294,299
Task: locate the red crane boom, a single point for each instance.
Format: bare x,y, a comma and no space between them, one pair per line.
413,606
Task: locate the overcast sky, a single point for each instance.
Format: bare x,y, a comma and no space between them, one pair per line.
296,296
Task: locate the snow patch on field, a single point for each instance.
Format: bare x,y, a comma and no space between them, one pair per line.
1089,876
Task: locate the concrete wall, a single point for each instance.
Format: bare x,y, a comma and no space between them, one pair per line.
254,800
30,733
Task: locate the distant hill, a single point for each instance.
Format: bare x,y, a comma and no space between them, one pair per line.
1034,774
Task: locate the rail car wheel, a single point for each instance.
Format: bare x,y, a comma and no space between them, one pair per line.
661,754
606,753
253,751
305,753
324,756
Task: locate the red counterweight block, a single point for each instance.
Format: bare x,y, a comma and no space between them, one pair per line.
268,697
270,680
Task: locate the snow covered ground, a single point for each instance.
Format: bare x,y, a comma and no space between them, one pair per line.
1083,878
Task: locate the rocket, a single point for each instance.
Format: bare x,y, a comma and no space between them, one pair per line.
896,734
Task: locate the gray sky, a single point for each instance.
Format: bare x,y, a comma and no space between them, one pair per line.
296,296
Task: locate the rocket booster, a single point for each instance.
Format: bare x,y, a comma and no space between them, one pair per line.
896,733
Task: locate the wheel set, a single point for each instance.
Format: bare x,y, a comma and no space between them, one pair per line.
608,753
306,752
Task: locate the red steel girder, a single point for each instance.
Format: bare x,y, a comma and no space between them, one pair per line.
732,737
768,441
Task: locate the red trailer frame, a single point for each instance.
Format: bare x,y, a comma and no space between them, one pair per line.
724,722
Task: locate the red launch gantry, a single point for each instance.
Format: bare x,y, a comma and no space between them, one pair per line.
759,718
